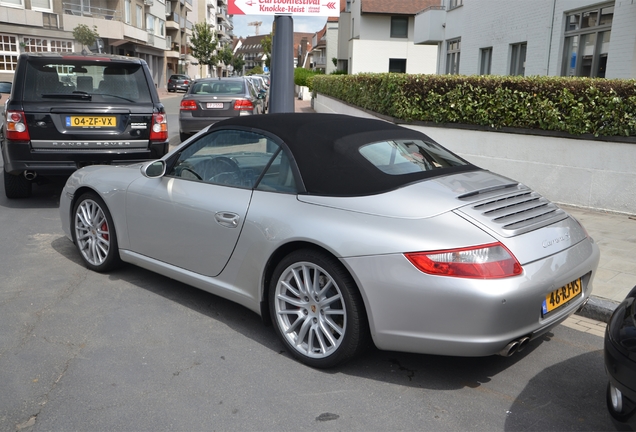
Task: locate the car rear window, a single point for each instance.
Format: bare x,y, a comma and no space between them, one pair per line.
69,79
218,87
397,157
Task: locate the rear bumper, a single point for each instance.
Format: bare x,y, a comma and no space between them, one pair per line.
466,317
19,157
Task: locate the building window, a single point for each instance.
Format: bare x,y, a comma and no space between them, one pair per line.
41,5
8,52
47,45
485,60
12,3
586,44
140,17
150,23
399,27
49,20
397,65
453,49
518,58
127,11
455,3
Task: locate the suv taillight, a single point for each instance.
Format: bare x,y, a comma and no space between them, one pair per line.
243,105
159,129
16,126
188,105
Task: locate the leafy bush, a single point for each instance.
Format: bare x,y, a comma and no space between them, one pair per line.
304,77
573,105
256,70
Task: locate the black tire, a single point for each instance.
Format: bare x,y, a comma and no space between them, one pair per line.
16,186
170,91
94,233
321,328
626,408
184,136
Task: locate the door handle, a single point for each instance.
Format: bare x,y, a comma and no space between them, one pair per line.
227,219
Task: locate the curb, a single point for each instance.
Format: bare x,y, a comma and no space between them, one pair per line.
598,309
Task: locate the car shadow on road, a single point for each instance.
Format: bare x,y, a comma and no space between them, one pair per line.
422,371
45,194
566,396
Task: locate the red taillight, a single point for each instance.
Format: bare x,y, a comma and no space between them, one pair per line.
16,126
489,261
188,105
243,105
159,128
186,82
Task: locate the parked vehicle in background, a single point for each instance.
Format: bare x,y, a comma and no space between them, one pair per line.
179,82
266,78
259,83
209,100
620,362
68,110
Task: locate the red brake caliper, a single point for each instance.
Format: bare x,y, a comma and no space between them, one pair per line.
104,228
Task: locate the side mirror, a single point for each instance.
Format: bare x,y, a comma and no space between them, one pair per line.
154,169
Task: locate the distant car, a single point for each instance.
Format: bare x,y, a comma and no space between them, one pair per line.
341,231
178,82
620,361
263,89
210,100
5,87
68,110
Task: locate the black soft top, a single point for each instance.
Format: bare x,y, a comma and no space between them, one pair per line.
325,147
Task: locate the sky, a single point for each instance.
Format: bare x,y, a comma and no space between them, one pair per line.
301,24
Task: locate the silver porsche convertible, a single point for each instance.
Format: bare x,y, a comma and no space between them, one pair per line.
341,232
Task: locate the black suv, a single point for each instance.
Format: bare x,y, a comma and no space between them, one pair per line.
68,110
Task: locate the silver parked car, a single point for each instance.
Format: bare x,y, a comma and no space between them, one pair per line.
210,100
341,231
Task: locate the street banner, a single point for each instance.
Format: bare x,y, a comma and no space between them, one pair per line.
317,8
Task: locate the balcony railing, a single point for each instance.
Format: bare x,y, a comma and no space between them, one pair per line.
91,11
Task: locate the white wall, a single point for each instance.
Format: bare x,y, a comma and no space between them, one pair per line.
589,174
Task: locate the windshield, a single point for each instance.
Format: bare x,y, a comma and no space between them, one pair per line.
105,81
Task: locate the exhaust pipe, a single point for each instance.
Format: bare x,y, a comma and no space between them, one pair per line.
30,175
510,349
514,347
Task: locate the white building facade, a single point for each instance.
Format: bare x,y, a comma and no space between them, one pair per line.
539,37
380,38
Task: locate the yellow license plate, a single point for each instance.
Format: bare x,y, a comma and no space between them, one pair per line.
561,296
91,121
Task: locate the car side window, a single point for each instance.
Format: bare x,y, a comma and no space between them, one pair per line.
227,157
279,176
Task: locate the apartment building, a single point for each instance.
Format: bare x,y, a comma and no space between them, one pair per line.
586,38
157,31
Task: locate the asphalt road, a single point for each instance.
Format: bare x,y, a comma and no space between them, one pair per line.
134,351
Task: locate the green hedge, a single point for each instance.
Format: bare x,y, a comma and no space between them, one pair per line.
304,77
574,105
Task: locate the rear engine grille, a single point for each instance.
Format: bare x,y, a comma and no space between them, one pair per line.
516,213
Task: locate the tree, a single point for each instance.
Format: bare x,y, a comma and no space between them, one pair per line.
266,42
203,46
237,63
225,55
84,35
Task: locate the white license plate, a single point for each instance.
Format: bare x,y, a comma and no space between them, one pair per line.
214,105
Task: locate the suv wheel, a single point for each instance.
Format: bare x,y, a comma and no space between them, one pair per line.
16,186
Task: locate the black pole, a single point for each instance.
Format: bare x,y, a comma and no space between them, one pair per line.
282,90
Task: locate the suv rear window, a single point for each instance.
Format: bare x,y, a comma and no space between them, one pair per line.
70,79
